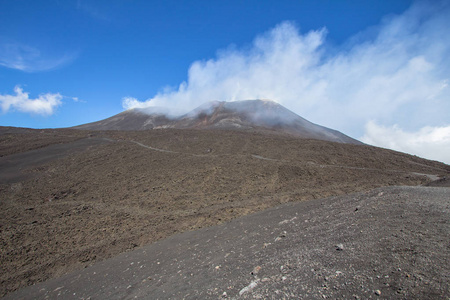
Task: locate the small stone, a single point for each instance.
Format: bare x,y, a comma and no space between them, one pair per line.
282,235
378,292
339,247
224,295
256,270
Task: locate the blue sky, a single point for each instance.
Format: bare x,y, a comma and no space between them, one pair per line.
375,70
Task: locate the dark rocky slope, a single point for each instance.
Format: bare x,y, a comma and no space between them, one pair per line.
238,115
70,198
389,243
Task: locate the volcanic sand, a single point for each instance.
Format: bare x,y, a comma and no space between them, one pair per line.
104,193
388,243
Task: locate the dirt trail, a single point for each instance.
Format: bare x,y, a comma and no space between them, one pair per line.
432,177
152,148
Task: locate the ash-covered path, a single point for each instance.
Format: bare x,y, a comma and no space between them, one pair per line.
389,243
429,176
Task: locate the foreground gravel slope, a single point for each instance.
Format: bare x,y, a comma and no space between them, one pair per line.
388,243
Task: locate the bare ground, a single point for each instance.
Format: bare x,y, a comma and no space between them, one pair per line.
388,243
122,190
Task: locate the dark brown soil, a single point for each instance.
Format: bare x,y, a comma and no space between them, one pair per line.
123,190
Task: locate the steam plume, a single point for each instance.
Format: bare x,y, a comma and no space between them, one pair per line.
397,76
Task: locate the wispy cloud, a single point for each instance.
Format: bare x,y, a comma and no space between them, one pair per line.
93,11
76,99
44,104
30,59
395,73
429,142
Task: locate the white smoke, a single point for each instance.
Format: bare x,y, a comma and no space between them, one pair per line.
396,73
429,142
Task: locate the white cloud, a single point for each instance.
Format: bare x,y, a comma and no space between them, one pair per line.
396,73
45,104
30,59
76,99
428,142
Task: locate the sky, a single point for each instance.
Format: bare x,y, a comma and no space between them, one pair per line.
377,71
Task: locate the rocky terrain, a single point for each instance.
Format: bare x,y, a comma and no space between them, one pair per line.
388,243
237,115
71,198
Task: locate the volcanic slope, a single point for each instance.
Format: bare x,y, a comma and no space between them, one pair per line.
237,115
102,193
387,243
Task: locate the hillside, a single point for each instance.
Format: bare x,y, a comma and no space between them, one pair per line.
237,115
72,197
388,243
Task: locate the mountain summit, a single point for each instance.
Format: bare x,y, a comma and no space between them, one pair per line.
237,115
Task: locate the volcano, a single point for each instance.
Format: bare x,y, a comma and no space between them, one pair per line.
238,115
73,198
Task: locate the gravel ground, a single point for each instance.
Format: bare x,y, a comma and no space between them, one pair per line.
388,243
71,198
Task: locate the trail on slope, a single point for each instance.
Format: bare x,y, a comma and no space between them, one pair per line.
432,177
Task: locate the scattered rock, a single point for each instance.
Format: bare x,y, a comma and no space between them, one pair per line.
339,247
378,292
282,235
249,287
256,270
